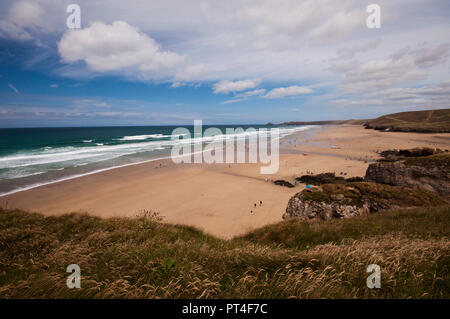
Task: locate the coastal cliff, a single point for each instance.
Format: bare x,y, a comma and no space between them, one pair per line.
402,178
430,173
354,199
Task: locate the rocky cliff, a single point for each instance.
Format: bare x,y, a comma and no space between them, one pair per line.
353,199
425,172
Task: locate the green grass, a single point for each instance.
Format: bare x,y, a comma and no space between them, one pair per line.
356,193
423,223
143,258
432,161
419,121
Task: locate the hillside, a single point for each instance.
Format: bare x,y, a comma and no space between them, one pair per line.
143,258
432,121
335,122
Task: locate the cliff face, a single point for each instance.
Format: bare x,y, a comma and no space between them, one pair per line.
308,209
430,173
355,198
403,178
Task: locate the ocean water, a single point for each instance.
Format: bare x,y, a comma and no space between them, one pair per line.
30,157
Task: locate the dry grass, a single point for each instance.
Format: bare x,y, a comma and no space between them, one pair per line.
143,258
358,193
415,121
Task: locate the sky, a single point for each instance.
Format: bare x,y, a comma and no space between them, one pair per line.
166,62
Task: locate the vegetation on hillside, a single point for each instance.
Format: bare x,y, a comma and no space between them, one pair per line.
436,160
417,121
432,121
332,122
144,258
358,193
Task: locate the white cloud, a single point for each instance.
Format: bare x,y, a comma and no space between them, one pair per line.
293,90
251,93
12,87
405,66
226,86
24,18
116,47
432,56
233,101
379,74
191,72
244,96
194,42
430,96
91,102
348,53
54,86
339,26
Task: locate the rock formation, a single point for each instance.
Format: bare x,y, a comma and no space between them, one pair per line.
426,172
353,199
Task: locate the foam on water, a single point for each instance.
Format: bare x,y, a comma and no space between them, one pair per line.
107,154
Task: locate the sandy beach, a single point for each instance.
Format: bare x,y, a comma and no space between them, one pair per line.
219,198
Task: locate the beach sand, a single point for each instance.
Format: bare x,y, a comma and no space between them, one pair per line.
218,198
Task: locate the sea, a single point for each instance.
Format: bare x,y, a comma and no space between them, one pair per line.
32,157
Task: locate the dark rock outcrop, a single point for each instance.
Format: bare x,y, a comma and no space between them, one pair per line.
427,172
284,183
319,179
326,178
395,155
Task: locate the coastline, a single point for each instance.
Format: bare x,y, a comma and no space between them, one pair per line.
59,165
218,198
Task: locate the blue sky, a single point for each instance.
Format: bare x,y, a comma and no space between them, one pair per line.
169,62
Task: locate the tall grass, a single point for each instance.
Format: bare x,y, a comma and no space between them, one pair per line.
143,258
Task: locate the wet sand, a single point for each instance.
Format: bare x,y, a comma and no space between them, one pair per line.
218,198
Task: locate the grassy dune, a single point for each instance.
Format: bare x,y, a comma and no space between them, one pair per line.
143,258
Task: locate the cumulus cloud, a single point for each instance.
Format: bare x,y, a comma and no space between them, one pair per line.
24,19
190,73
189,43
114,47
226,86
282,92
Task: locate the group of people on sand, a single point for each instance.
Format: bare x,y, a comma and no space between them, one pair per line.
255,206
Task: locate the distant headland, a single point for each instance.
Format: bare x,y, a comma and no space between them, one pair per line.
429,121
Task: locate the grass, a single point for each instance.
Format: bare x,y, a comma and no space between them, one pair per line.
417,121
441,160
144,258
357,193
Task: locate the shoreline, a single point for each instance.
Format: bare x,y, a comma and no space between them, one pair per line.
34,185
218,198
